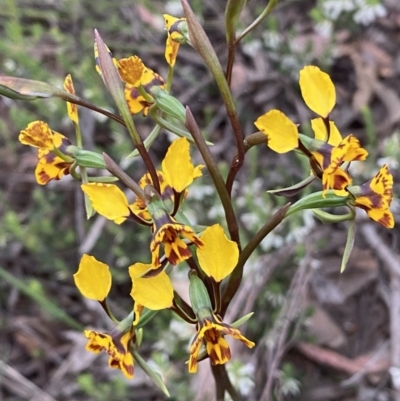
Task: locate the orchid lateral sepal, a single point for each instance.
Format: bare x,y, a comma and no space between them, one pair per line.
154,376
351,232
242,320
317,201
328,218
293,189
184,310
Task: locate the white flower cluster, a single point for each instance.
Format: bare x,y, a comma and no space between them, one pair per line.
365,11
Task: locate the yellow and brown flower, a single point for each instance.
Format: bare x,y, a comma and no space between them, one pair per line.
375,197
50,166
211,332
167,231
117,346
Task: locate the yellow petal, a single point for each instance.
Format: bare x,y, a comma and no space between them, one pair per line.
171,51
108,200
72,108
177,166
37,134
317,90
93,278
131,70
319,128
280,130
155,292
219,255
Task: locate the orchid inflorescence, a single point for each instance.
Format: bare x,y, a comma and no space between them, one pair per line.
214,257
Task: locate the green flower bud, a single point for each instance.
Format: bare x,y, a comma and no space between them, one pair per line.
328,218
199,297
86,158
168,104
317,201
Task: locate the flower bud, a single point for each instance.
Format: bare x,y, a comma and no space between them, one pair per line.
168,104
199,297
316,201
86,158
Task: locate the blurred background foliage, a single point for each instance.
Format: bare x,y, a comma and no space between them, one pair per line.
44,230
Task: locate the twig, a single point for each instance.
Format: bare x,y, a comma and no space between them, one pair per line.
392,264
20,385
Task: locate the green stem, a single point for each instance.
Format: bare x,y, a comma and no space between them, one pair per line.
169,78
236,276
267,10
223,383
215,175
203,46
147,142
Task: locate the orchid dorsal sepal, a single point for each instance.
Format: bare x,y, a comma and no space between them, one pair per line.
93,278
87,158
154,376
168,104
317,201
328,218
242,320
199,298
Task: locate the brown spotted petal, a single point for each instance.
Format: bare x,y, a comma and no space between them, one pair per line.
375,197
50,167
167,232
116,346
